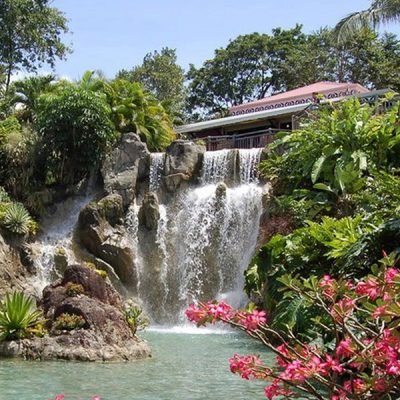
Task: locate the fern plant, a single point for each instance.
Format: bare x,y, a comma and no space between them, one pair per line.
18,314
17,219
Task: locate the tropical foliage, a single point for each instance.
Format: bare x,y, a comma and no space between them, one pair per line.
380,12
352,348
18,316
163,77
337,181
76,130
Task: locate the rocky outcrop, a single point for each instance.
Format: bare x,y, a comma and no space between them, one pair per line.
13,275
149,212
103,335
182,163
128,163
98,233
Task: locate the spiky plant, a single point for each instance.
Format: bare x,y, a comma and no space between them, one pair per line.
18,314
4,197
17,219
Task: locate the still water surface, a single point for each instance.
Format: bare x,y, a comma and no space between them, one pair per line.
186,365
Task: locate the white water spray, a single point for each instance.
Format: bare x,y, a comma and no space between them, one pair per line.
156,167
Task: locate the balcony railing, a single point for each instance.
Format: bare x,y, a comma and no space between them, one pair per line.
247,140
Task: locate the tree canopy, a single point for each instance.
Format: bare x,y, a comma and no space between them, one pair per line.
163,77
255,65
30,35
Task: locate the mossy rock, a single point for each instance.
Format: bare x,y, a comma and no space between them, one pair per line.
111,208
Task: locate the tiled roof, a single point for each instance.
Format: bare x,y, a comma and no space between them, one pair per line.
302,95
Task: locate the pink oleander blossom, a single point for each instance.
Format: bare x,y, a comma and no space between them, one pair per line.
252,320
195,313
329,287
391,274
370,288
245,366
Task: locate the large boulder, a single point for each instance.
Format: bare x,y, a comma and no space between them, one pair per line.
149,212
107,242
128,163
183,163
104,334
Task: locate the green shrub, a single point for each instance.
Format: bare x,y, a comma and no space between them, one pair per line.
74,289
69,322
17,220
77,132
18,316
135,319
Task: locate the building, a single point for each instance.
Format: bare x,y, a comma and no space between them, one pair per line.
253,124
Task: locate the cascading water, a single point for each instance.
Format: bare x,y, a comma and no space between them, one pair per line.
217,166
156,167
205,236
204,240
57,237
248,161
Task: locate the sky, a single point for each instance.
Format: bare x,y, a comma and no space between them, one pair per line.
114,34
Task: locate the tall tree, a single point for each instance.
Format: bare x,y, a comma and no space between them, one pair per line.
30,35
253,66
380,12
163,77
247,69
27,92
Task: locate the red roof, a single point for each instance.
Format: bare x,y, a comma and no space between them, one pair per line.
302,95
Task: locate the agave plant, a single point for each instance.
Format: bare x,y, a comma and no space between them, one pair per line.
17,219
18,314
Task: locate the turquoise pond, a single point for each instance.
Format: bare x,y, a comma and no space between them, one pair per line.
186,365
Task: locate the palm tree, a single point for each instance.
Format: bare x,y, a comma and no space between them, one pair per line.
135,110
27,92
380,12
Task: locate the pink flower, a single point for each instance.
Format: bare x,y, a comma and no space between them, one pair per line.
331,364
220,310
380,385
329,287
252,320
356,385
342,309
275,390
391,274
370,288
380,311
245,366
344,348
195,314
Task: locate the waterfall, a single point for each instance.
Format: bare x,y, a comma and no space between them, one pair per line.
248,161
216,166
58,228
203,243
204,239
156,167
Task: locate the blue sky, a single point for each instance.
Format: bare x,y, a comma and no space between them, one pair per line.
115,34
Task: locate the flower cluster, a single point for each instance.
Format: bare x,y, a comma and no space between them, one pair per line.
361,357
212,312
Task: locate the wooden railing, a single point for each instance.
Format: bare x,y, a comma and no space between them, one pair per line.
247,140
